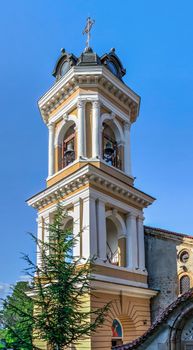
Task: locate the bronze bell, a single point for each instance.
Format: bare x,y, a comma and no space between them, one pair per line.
69,150
108,151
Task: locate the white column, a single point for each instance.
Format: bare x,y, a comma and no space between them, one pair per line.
93,228
39,237
95,129
101,141
89,228
131,242
51,150
47,222
127,149
77,228
101,230
141,243
81,128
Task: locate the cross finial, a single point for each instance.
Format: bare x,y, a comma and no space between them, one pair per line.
87,29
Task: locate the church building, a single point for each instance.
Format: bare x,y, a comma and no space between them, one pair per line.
89,112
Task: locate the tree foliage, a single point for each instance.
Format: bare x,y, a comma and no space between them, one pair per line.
61,291
16,322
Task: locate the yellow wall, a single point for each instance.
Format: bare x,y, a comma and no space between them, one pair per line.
122,250
133,313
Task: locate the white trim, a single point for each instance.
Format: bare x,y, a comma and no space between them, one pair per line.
114,287
90,98
90,174
116,126
88,70
67,202
61,130
115,202
120,268
114,216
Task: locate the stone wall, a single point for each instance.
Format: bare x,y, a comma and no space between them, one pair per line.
161,264
164,265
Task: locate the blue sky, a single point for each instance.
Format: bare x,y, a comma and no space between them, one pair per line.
154,40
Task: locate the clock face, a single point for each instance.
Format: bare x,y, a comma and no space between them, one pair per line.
64,68
112,67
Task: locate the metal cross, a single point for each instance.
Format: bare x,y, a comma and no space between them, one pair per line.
87,29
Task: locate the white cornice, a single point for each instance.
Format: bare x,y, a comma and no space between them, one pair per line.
112,285
92,175
88,76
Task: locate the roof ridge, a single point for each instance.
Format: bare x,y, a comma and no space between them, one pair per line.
168,231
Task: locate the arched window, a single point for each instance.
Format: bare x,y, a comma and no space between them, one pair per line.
184,284
111,152
117,333
112,242
68,147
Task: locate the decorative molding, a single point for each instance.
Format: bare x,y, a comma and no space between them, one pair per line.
93,176
66,118
114,286
127,125
88,76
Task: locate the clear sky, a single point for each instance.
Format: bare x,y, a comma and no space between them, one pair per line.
154,40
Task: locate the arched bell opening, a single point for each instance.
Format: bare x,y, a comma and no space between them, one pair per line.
112,242
117,333
112,151
67,146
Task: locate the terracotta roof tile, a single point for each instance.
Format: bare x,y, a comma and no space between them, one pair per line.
183,235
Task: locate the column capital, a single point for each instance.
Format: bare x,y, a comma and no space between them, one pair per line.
127,125
120,143
132,215
65,117
51,126
81,103
113,115
96,104
76,201
141,218
102,201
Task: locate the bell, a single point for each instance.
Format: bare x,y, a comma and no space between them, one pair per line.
109,149
69,150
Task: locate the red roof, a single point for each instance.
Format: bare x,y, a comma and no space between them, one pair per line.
183,235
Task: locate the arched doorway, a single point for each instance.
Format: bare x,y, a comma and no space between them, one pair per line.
117,333
187,336
181,337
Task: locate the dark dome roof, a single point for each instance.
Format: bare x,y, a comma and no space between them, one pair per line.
88,58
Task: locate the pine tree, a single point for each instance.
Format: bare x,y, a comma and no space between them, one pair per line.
61,290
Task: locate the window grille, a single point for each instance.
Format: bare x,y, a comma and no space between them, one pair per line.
184,284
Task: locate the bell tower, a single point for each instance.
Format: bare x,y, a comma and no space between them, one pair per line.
89,112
